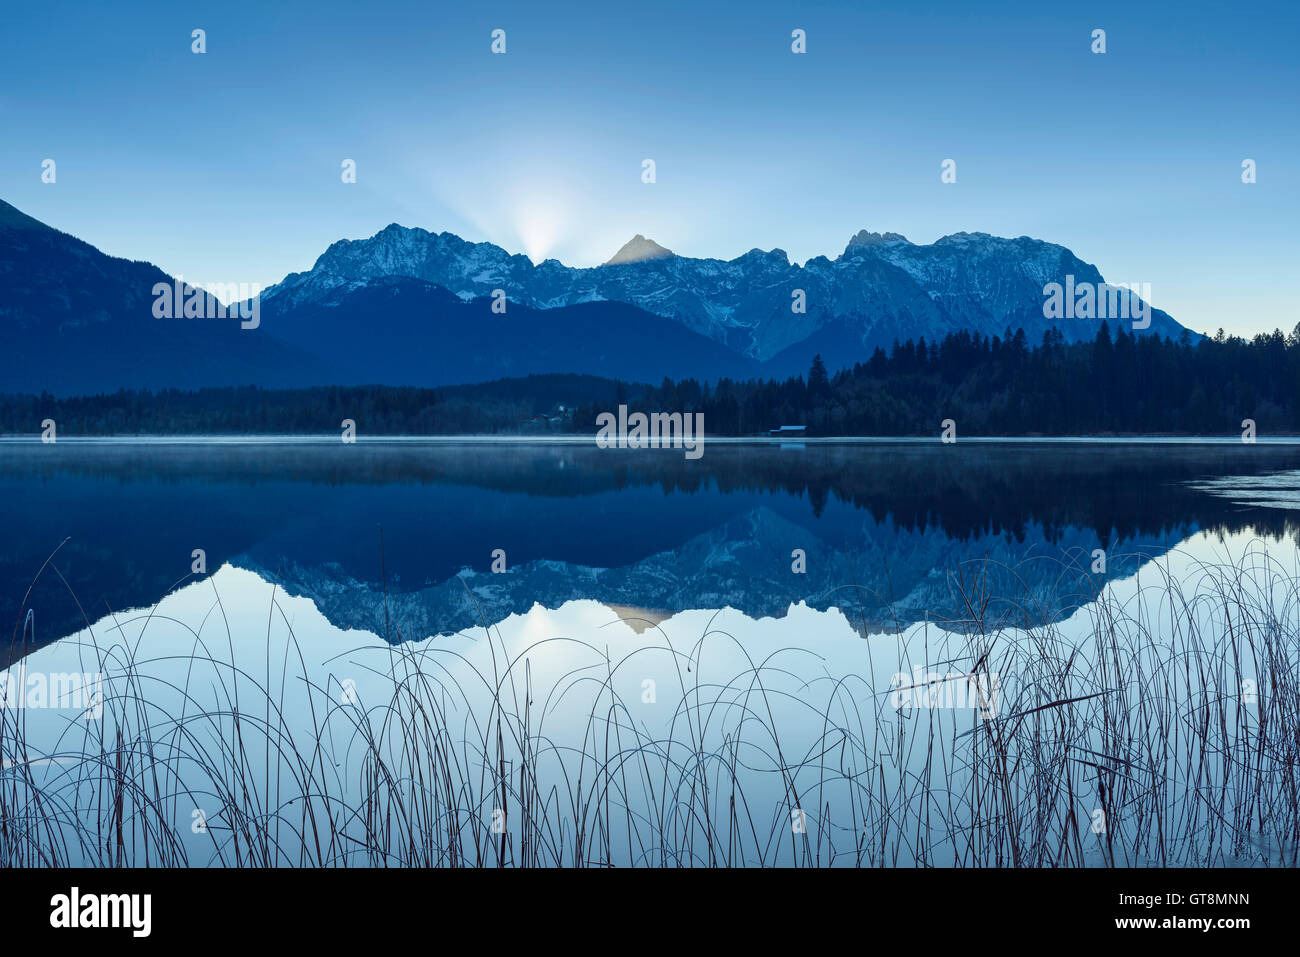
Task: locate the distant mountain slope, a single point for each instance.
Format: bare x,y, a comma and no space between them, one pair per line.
404,331
880,289
74,320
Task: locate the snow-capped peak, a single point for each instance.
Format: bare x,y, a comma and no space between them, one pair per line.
865,238
639,249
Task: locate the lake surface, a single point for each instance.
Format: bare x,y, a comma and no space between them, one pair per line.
866,559
881,524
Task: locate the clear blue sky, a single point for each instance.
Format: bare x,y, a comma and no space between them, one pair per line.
225,167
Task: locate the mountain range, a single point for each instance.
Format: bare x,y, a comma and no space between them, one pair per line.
412,307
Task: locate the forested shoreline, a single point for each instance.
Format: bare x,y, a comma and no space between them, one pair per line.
1117,384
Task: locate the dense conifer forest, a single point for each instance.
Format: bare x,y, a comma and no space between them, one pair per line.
1002,385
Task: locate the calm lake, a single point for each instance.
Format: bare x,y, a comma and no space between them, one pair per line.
645,601
881,524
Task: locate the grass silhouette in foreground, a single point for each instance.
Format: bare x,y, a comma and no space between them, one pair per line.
1174,721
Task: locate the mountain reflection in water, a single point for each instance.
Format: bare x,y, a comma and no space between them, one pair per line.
397,537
